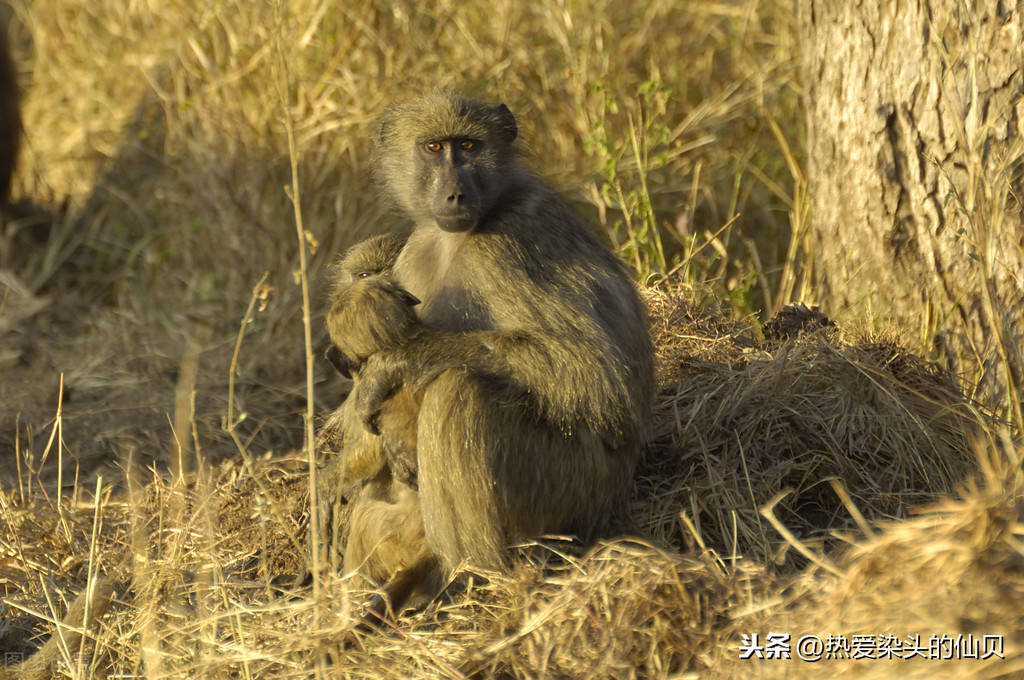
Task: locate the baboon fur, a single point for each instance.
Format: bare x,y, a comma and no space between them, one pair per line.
386,544
10,119
368,486
534,366
370,313
375,518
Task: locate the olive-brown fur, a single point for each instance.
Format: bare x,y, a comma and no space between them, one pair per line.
367,488
370,313
534,364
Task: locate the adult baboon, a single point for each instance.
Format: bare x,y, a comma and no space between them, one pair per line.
535,366
10,119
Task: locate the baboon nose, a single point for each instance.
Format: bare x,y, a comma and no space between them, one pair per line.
456,197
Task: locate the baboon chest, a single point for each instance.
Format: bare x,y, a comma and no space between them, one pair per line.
434,271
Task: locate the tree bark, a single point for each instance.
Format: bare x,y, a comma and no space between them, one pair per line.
914,141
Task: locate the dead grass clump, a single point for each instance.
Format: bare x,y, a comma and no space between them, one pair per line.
737,424
624,610
689,323
180,555
198,597
955,570
196,605
202,588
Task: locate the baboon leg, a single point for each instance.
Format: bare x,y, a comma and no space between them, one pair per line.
491,474
381,534
355,459
412,586
386,545
415,584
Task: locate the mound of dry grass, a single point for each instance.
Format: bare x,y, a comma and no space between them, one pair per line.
740,422
624,610
206,571
955,570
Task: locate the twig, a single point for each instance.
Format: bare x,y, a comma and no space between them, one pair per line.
282,81
767,511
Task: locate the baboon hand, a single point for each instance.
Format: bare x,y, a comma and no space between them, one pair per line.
380,376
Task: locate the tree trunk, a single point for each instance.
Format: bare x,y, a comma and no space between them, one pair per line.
915,112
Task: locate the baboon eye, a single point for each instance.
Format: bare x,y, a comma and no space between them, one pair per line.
363,275
433,147
467,145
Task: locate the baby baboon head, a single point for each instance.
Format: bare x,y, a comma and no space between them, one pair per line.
369,311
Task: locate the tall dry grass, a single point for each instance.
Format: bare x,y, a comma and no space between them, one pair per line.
159,124
158,149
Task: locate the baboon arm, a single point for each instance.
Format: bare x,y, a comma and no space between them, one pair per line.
569,385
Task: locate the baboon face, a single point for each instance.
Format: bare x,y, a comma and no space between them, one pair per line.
368,310
446,158
374,256
453,180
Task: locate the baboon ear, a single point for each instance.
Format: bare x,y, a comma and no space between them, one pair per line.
508,123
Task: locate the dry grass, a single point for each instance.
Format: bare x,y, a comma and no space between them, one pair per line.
955,569
205,571
740,422
157,156
167,147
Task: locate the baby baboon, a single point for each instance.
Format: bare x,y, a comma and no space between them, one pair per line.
370,313
386,544
535,364
10,120
374,515
368,488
